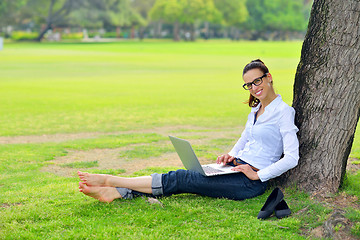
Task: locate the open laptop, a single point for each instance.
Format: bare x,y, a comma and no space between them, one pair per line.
191,162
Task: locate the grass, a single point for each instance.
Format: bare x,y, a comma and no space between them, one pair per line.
113,141
53,88
82,164
352,184
50,88
145,152
110,171
41,205
354,216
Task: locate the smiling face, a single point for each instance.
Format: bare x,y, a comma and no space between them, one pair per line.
264,91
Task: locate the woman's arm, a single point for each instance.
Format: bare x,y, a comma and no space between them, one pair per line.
290,141
248,171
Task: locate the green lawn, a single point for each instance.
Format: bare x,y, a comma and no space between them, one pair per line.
123,92
52,88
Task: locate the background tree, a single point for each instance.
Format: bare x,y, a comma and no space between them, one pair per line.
285,16
50,13
265,19
10,12
106,13
326,95
234,13
198,10
90,15
185,12
120,13
168,11
143,8
276,16
255,21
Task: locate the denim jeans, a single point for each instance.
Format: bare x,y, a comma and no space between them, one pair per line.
231,186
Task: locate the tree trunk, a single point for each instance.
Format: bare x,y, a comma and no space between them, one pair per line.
207,30
118,31
192,31
158,29
141,32
43,31
55,16
176,36
226,33
48,21
132,35
327,95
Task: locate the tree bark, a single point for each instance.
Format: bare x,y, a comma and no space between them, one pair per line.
48,21
192,32
118,31
176,36
327,95
56,16
43,32
141,32
158,29
132,32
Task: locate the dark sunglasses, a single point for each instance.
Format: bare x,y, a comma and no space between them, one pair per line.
256,82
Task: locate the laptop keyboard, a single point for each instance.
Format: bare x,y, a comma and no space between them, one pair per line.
210,170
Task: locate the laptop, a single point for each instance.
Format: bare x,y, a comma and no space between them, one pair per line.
191,162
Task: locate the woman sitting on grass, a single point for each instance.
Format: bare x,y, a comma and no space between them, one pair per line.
267,148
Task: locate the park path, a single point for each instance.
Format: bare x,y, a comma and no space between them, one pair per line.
110,158
63,137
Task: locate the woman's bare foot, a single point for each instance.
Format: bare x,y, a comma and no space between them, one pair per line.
103,194
93,179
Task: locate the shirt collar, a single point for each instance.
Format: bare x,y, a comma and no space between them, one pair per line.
271,106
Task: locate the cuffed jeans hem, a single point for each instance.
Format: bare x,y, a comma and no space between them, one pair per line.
156,184
125,193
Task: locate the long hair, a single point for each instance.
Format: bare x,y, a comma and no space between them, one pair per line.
253,101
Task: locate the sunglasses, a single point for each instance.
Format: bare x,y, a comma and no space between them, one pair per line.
256,82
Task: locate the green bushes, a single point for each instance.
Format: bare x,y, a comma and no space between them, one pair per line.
24,36
108,35
72,36
31,36
111,35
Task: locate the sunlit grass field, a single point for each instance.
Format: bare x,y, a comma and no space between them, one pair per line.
51,88
123,92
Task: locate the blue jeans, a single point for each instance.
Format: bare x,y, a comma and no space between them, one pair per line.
231,186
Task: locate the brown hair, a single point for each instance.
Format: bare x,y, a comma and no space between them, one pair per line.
257,63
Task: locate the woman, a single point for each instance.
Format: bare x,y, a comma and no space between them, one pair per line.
267,148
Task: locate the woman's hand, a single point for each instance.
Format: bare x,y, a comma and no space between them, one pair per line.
224,159
247,170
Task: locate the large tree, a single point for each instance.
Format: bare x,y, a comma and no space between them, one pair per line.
327,95
185,12
168,11
234,13
106,13
121,14
50,12
143,7
198,10
276,16
10,12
